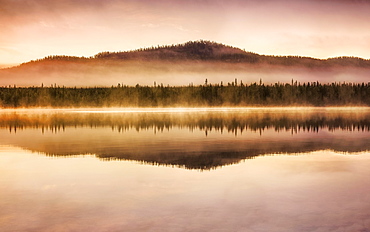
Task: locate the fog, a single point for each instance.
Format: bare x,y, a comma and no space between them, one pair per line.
143,72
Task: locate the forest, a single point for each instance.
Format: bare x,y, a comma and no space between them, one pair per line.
206,95
208,51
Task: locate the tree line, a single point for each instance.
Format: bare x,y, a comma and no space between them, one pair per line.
206,95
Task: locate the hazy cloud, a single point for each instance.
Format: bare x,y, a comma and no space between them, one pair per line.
85,27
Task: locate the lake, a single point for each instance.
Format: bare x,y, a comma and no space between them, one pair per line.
195,169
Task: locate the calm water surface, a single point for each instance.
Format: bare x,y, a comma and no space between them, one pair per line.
192,170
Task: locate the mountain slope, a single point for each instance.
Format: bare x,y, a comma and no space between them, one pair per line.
209,51
181,64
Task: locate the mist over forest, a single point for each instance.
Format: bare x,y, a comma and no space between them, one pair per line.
206,95
181,65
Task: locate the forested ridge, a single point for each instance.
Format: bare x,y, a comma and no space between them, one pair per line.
208,51
206,95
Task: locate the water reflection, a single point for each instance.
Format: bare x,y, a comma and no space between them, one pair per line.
193,140
321,191
224,120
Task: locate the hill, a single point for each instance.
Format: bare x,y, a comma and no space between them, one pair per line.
211,51
181,64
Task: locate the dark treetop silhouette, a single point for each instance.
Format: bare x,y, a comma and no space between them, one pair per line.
231,94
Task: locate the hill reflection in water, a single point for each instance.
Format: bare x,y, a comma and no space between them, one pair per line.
193,140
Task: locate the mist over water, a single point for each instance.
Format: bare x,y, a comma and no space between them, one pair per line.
195,138
185,169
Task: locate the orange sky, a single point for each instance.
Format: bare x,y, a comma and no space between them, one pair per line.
32,29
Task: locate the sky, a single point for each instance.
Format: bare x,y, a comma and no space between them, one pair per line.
33,29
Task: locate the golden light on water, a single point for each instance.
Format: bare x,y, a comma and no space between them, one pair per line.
227,169
184,109
219,109
322,189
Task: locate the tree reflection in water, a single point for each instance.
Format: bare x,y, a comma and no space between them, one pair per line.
193,140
